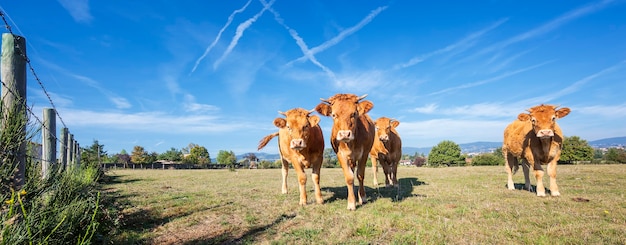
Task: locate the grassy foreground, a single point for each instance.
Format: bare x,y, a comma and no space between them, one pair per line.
455,205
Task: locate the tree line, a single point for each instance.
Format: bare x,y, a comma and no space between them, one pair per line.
447,153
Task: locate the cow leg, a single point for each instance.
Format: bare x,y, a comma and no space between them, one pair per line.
302,183
388,177
360,175
526,170
348,174
316,181
285,171
510,162
375,168
538,171
394,171
554,189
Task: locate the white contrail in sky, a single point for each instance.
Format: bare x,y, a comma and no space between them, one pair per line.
575,86
239,33
547,27
300,42
496,78
463,43
341,35
219,35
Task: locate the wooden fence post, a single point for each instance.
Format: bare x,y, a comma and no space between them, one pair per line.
63,150
70,151
49,142
14,94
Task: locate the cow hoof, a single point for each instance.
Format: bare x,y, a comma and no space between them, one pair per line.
320,201
541,194
351,206
556,194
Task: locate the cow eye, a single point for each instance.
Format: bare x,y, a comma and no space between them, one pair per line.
533,120
553,118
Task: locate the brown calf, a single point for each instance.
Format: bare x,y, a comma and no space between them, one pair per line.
352,137
301,143
387,149
536,138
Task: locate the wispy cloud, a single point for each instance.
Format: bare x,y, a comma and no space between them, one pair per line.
342,35
239,33
78,9
490,80
158,122
548,26
192,106
118,101
219,35
608,111
575,86
459,46
426,109
300,42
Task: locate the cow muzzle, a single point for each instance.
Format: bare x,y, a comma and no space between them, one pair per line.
297,144
384,138
545,133
345,135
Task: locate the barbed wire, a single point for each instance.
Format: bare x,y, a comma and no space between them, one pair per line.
30,66
22,53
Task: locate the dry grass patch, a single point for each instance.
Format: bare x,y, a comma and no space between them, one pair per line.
456,205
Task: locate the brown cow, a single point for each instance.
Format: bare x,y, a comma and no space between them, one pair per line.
352,137
301,143
387,149
536,138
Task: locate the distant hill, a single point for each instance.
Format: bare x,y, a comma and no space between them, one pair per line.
473,147
608,142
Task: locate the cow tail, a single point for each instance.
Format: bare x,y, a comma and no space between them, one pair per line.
263,142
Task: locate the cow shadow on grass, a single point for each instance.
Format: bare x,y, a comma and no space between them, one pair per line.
533,188
396,194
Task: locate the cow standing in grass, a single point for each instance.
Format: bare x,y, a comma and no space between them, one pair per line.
387,150
352,137
301,143
536,138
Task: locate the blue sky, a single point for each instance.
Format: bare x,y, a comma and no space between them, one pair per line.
164,74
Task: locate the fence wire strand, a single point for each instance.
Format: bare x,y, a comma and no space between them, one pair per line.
22,53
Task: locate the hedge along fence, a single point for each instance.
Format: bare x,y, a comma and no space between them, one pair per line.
14,107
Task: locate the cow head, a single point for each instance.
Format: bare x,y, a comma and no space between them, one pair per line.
384,126
543,118
345,110
297,122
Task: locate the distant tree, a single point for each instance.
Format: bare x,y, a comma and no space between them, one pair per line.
615,155
226,157
123,157
172,154
139,155
487,159
445,153
419,161
576,149
598,154
152,157
93,155
198,155
329,158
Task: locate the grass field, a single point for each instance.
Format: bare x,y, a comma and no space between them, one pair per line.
455,205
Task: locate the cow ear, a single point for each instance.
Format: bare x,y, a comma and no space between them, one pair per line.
314,120
323,109
562,112
523,117
365,106
394,123
280,122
